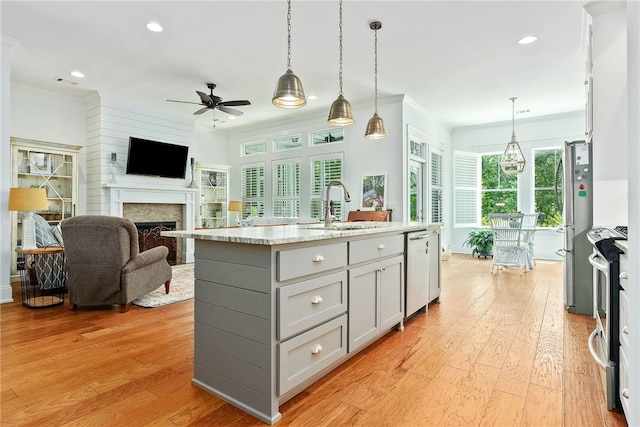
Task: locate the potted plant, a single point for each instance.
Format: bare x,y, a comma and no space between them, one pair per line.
481,242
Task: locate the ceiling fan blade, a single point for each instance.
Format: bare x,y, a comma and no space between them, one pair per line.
228,110
206,99
235,103
184,102
200,111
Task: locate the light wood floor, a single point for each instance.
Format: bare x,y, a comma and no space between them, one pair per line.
498,350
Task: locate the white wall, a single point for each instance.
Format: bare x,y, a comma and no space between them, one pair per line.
537,132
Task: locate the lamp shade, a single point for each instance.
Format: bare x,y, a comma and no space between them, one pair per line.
235,206
28,199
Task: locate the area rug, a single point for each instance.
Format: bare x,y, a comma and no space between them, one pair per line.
181,289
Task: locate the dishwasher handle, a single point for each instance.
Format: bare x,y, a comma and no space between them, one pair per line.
419,237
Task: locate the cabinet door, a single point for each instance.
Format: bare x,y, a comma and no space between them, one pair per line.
391,283
435,252
363,305
213,197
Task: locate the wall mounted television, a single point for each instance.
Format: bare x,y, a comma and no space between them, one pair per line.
154,158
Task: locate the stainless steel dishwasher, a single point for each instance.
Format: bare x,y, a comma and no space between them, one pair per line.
417,271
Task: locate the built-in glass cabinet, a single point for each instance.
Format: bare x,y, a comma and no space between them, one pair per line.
213,182
45,165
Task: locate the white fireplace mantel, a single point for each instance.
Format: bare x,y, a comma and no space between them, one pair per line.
119,194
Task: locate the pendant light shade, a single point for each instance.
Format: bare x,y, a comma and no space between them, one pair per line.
289,92
375,126
340,112
512,161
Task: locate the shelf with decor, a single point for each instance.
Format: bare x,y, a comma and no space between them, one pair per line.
52,166
213,182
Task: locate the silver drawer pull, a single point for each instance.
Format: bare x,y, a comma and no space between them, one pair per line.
316,300
380,246
625,330
316,349
318,258
624,275
625,393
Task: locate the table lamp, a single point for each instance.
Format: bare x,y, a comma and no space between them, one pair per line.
235,206
28,200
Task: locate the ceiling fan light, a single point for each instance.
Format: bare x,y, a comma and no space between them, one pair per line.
340,112
289,92
375,128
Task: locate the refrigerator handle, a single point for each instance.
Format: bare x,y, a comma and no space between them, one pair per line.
556,186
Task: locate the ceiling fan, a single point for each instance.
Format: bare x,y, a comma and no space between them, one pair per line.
212,101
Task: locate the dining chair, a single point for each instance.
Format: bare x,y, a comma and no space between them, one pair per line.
509,246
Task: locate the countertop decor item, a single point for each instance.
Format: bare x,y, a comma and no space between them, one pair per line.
375,126
340,113
289,92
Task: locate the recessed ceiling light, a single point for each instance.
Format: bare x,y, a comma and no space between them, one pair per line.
154,26
312,97
231,117
528,39
77,74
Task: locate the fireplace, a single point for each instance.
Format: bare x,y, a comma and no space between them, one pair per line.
157,204
149,236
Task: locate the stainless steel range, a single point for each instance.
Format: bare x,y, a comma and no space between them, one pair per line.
603,341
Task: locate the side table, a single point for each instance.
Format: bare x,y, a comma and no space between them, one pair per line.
43,278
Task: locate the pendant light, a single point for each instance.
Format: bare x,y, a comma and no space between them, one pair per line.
340,113
375,126
289,92
512,161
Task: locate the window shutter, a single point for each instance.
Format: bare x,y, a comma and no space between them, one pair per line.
466,189
324,169
436,187
252,183
286,188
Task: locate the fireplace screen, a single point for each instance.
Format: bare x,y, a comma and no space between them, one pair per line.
149,236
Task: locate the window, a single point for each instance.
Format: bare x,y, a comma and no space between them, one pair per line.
286,188
324,169
436,186
252,190
288,143
499,191
252,148
327,137
544,199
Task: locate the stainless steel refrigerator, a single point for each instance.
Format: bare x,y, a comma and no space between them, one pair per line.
575,193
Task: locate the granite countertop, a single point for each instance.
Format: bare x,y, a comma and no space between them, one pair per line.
283,234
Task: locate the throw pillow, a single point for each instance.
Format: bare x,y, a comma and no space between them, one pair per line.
44,235
57,231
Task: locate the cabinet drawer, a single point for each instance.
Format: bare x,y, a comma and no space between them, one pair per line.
624,320
624,381
316,259
307,354
376,247
307,304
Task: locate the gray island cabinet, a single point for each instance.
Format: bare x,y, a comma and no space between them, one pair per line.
276,308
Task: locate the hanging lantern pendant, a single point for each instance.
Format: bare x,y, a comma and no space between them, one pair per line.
513,161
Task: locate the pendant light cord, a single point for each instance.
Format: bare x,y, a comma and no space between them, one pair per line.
513,118
288,34
375,71
340,62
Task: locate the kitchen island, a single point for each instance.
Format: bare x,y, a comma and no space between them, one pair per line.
278,307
